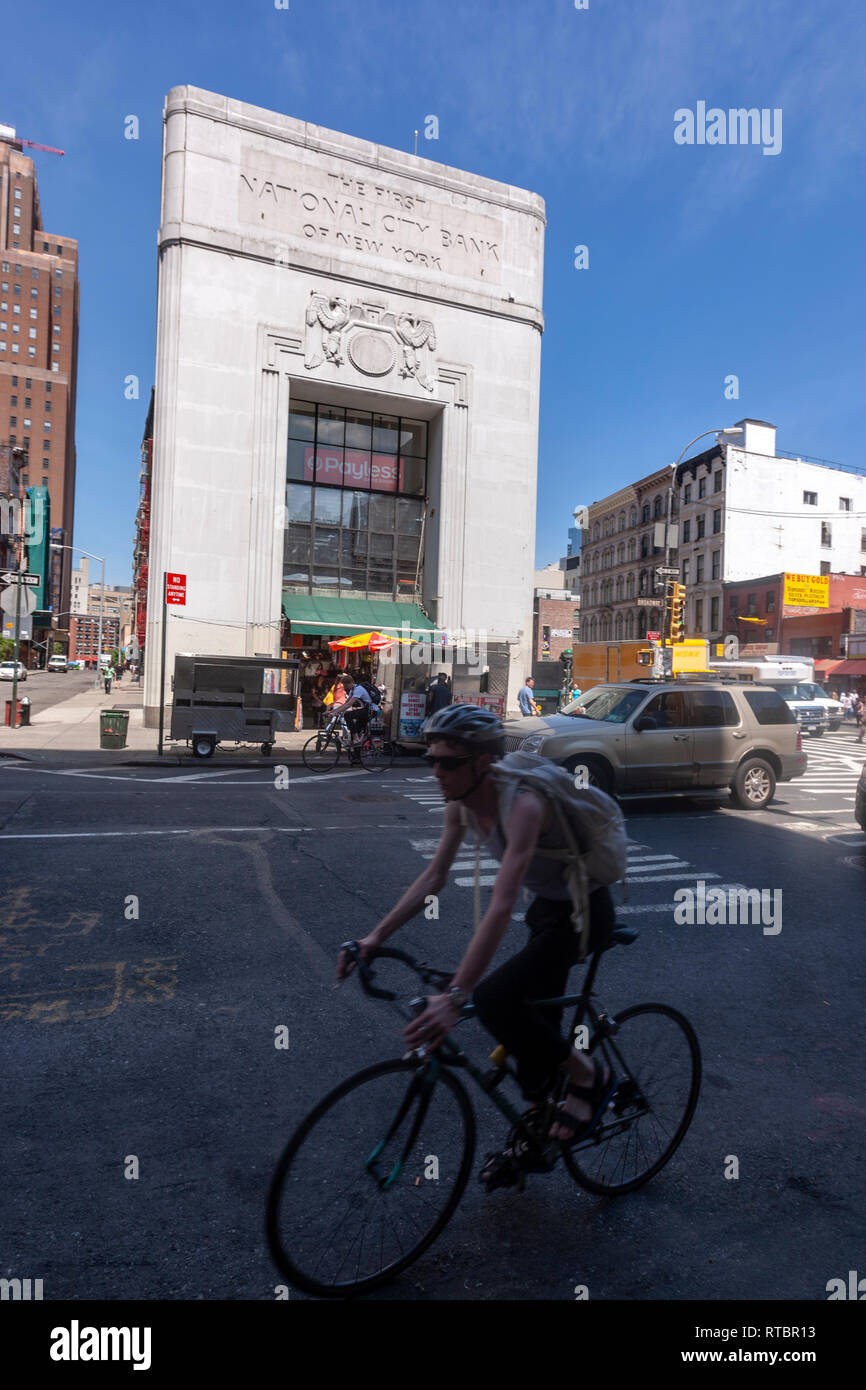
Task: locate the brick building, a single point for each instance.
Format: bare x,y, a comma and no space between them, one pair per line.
38,344
84,634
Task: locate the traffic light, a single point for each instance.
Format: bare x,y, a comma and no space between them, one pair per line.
678,604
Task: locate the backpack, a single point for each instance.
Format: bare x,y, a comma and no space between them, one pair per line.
594,839
373,691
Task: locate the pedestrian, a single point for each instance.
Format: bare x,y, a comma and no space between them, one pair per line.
528,707
846,705
109,677
438,694
575,691
859,711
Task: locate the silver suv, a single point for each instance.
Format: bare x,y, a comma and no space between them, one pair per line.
672,736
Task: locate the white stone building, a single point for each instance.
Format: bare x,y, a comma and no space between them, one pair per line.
79,590
347,377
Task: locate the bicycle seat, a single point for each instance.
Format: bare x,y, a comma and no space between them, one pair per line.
621,936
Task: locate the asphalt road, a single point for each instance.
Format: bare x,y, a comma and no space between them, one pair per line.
159,926
46,688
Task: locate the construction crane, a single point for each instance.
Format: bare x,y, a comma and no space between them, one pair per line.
7,132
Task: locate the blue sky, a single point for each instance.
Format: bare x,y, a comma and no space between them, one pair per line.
704,261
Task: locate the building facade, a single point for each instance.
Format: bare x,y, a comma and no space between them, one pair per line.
84,637
756,612
737,510
346,398
39,300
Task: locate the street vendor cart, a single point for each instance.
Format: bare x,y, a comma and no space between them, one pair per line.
244,699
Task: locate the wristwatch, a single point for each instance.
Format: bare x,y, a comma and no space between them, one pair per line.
459,997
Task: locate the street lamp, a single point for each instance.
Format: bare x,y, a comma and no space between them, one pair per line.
57,545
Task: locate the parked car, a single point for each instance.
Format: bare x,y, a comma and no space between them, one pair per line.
58,663
860,800
675,736
7,671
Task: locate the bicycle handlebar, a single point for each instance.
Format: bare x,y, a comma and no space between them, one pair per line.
365,973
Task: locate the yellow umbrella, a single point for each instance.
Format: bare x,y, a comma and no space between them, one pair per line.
374,640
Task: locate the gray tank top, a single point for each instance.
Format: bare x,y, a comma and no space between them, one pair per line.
544,877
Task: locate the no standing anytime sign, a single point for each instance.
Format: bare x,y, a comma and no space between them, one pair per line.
175,588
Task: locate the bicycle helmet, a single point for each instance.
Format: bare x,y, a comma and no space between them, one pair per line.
479,729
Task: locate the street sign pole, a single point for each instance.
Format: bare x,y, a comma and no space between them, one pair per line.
14,720
162,661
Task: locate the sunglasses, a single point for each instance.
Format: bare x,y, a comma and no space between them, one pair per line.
446,764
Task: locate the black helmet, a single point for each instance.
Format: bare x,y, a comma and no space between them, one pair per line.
479,729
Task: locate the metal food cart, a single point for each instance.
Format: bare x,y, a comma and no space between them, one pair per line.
217,698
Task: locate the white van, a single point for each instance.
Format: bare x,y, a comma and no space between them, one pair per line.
792,677
58,663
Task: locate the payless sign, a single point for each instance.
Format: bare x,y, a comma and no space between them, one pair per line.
175,588
807,591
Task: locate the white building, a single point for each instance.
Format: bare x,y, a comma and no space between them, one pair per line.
80,588
347,374
745,510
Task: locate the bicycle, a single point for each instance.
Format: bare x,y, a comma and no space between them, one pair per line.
322,752
388,1153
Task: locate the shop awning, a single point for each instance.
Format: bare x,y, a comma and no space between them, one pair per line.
340,617
826,665
851,668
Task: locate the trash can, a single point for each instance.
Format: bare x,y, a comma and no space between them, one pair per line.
113,724
24,712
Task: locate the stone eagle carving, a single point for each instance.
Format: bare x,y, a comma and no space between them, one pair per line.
326,318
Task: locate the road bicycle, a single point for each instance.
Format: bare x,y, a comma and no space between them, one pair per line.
374,1173
323,751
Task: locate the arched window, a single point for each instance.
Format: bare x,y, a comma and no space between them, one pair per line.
644,547
618,627
595,532
644,513
632,548
622,521
632,517
657,507
629,625
629,586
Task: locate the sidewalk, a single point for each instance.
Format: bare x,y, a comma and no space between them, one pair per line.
68,734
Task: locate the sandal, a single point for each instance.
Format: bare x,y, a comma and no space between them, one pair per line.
598,1096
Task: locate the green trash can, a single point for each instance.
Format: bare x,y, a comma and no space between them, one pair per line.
113,724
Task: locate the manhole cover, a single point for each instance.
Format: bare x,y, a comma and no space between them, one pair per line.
371,796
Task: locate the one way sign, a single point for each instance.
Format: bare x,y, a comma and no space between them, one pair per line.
19,577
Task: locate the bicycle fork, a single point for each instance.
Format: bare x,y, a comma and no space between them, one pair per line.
420,1088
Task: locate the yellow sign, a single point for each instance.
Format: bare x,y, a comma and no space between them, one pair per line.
807,590
690,655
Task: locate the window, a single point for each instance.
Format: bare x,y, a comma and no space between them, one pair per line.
717,480
687,493
13,420
644,547
34,294
645,512
701,527
667,711
699,570
825,567
699,615
844,504
826,533
16,308
751,606
17,270
47,426
717,521
702,487
48,387
13,400
863,540
33,313
714,614
48,406
657,508
768,707
770,601
717,564
810,499
687,531
17,194
685,571
32,333
711,709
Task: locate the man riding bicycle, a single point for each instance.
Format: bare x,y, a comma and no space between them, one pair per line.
464,743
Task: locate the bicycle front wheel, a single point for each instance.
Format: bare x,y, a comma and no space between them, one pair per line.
656,1056
370,1178
321,752
376,754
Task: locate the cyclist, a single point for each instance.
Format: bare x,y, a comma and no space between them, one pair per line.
464,743
356,710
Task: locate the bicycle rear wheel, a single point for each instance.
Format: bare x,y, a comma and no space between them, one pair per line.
656,1056
321,752
370,1178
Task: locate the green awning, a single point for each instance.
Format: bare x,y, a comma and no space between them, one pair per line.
341,617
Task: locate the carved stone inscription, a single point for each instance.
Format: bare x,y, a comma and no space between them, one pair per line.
370,216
